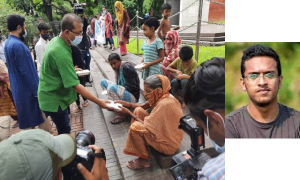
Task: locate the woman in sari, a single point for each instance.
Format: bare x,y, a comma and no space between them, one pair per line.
159,129
7,107
123,26
172,45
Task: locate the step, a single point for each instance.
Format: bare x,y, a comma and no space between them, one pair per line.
184,38
94,120
220,34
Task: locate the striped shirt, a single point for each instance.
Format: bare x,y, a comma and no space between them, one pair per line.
151,54
213,169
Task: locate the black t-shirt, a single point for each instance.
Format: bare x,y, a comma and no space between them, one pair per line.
132,80
239,124
84,44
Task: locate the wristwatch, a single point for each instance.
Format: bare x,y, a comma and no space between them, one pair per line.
101,155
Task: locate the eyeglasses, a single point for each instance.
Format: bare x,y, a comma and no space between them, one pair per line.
255,76
76,32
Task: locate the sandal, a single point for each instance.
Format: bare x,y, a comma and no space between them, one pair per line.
135,166
78,109
116,120
85,104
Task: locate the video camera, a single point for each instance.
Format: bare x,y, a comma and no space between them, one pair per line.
85,156
185,165
78,8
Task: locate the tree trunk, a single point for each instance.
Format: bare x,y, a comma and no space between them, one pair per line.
48,9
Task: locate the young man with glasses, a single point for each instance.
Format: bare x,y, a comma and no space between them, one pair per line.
58,79
263,117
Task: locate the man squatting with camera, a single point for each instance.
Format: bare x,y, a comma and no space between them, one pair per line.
36,154
205,99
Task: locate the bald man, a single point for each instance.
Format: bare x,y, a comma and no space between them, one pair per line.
58,79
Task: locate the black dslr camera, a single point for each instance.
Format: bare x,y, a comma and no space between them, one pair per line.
85,156
78,8
185,165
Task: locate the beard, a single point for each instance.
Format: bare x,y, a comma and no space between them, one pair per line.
21,35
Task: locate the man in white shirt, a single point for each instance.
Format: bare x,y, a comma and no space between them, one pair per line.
40,46
2,57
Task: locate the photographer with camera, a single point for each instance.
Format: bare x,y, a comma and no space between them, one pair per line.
205,99
36,154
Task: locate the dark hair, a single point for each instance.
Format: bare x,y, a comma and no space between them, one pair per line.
259,50
166,6
13,21
43,26
206,88
186,53
153,81
113,56
68,21
152,22
103,7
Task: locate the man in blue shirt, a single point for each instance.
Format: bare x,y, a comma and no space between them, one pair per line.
23,76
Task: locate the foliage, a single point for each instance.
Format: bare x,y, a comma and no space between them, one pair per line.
30,22
289,94
147,5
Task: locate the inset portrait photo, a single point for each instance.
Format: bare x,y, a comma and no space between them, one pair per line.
262,91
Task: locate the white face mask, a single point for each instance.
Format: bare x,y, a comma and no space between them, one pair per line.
216,146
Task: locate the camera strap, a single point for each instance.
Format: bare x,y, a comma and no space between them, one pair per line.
99,155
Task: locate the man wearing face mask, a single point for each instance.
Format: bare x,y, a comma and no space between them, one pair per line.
23,77
58,79
40,46
205,99
84,45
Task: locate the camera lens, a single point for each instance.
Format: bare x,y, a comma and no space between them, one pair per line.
85,138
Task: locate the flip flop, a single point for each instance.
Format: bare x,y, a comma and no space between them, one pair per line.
134,166
85,104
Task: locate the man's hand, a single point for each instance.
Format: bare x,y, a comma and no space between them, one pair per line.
99,171
107,107
180,76
146,66
124,103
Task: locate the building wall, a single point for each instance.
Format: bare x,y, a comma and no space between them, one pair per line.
216,12
175,8
190,15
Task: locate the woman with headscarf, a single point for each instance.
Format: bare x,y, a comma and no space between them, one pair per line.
7,107
172,46
159,129
123,26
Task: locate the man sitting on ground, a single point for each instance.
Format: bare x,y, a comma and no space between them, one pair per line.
127,87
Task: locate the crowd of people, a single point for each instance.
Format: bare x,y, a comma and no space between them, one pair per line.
36,94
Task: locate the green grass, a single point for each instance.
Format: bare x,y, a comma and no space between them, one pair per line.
205,52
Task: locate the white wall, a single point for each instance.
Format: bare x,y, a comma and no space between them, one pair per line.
190,15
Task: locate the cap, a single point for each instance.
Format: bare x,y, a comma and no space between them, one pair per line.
35,154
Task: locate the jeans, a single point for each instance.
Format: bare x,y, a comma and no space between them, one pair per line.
178,86
109,40
61,120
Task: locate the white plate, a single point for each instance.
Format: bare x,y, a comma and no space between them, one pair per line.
83,72
115,105
139,66
104,92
